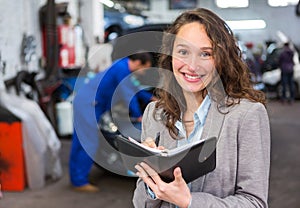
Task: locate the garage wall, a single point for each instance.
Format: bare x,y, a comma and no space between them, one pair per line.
17,18
277,19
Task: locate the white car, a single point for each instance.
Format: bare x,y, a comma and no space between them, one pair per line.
272,78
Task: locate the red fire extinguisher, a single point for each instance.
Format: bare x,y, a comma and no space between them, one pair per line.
67,46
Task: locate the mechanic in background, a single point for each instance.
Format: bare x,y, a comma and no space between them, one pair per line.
98,92
286,65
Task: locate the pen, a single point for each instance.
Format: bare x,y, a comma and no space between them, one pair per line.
157,138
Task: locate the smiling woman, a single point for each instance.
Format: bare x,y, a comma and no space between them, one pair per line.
207,92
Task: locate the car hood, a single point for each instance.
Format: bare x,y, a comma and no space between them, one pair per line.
273,77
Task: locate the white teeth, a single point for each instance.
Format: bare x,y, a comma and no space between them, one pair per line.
192,77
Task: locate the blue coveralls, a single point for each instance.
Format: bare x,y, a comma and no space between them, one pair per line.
90,102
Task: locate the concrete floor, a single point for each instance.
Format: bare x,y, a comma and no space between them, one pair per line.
116,191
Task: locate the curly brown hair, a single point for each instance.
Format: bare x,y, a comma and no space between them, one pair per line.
232,70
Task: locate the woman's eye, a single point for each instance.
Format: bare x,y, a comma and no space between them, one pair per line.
183,52
205,54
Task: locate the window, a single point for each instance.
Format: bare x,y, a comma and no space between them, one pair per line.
232,3
182,4
278,3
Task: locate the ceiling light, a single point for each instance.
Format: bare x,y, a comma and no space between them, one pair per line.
108,3
232,3
246,24
278,3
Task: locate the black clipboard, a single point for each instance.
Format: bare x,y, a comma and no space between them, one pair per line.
195,160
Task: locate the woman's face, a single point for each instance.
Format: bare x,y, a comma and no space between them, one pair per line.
192,58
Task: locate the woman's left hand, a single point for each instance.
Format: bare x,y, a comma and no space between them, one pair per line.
176,192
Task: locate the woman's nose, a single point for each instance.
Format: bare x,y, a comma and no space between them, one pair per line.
193,63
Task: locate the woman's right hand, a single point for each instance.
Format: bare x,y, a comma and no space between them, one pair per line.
150,142
176,192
